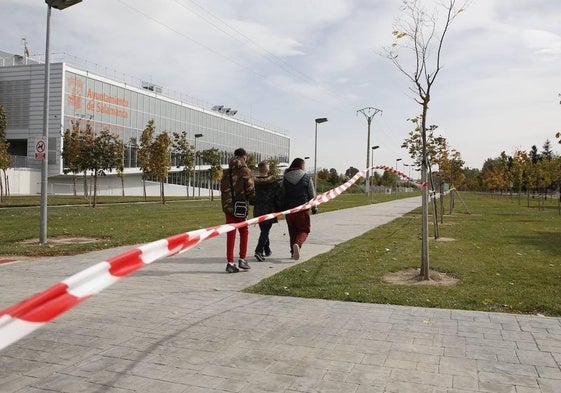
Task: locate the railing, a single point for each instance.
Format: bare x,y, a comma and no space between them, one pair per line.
19,162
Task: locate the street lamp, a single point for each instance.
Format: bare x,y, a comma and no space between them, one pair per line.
371,165
409,166
396,176
59,5
319,120
197,136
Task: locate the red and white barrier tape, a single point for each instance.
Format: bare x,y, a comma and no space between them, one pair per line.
23,318
30,314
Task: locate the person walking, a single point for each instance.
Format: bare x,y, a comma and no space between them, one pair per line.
237,193
266,201
298,189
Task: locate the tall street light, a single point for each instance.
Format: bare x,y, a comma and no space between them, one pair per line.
371,165
197,136
59,5
396,176
319,120
369,113
408,166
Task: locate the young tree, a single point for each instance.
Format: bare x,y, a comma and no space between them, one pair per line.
71,150
212,158
105,155
274,167
4,156
350,172
334,178
144,151
160,161
185,154
87,154
420,36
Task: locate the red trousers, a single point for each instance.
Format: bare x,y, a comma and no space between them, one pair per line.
231,238
298,227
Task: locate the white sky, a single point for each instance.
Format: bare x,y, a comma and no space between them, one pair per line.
285,63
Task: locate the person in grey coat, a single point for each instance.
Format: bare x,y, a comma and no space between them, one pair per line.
298,188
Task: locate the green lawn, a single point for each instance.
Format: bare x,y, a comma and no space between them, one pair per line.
507,257
117,221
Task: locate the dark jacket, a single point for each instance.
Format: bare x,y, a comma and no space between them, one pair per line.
266,196
298,188
241,180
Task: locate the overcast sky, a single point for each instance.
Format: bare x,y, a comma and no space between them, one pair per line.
285,63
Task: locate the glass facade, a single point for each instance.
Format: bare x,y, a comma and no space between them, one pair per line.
125,111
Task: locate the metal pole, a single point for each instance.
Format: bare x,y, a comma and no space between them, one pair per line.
372,165
45,162
195,170
316,159
318,120
366,178
368,113
396,176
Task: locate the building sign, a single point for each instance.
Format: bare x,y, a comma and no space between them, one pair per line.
76,92
105,106
94,100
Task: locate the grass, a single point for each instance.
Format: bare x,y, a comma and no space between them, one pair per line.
507,257
116,221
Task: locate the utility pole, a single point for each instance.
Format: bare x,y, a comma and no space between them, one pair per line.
368,113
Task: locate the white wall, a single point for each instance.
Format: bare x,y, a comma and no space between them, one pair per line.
24,181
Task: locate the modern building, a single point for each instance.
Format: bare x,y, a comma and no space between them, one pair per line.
80,94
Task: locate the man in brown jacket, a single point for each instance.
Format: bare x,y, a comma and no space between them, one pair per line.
237,193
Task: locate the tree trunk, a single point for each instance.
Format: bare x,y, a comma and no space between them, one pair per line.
94,187
162,193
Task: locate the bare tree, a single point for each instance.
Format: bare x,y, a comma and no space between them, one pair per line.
422,37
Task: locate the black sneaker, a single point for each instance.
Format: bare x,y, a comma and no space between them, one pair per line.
231,268
242,263
260,257
268,252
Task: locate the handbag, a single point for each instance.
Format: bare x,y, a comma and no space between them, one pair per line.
240,207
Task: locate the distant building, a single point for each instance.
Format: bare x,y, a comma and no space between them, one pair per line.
79,94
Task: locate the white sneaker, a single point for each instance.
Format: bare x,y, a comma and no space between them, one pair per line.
295,252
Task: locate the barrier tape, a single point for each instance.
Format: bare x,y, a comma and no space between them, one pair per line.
30,314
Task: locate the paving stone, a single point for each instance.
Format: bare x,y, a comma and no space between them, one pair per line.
183,325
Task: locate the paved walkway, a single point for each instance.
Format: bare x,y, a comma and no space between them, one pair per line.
181,325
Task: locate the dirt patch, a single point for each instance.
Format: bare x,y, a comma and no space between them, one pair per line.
413,277
444,239
63,240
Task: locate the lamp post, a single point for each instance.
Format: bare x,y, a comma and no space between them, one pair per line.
408,166
396,176
197,136
371,165
59,5
319,120
369,113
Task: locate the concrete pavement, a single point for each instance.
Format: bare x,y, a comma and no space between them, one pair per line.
181,325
